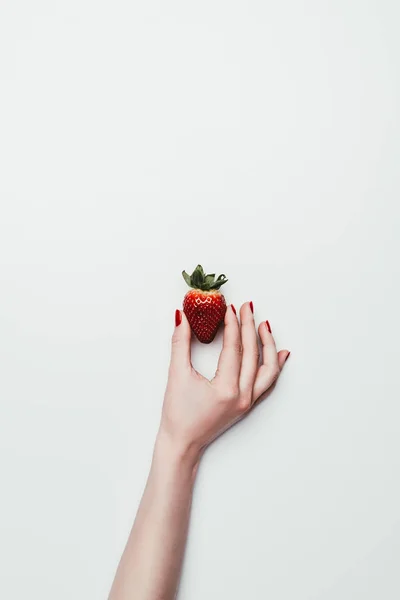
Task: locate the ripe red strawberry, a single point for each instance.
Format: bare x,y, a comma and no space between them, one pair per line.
204,305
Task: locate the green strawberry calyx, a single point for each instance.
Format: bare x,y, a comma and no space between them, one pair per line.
199,280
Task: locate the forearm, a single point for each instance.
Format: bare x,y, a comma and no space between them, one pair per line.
151,563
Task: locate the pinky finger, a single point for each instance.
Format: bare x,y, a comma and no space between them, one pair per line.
272,365
283,355
266,378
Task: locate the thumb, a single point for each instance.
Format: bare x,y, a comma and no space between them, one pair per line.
180,348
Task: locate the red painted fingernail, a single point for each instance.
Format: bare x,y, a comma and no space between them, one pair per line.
251,306
268,326
178,317
287,357
233,308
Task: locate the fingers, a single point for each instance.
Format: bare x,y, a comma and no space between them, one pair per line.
272,362
231,355
250,356
180,350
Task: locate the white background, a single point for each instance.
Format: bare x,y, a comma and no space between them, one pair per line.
261,139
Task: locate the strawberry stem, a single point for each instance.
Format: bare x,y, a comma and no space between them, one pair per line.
201,281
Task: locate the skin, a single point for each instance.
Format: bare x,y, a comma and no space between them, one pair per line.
195,412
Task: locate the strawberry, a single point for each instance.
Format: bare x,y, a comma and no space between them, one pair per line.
204,305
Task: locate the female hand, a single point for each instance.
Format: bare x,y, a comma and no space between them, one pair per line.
197,410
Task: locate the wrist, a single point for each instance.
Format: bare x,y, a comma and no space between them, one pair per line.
173,451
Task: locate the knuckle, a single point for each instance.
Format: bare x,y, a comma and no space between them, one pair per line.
238,348
244,403
174,340
230,393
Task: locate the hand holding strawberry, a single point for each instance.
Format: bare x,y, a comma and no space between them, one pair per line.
196,410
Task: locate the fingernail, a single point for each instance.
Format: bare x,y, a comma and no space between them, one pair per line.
233,308
268,326
178,317
287,357
251,306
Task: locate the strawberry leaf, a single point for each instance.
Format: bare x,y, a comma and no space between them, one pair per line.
197,278
187,278
209,280
220,281
200,269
